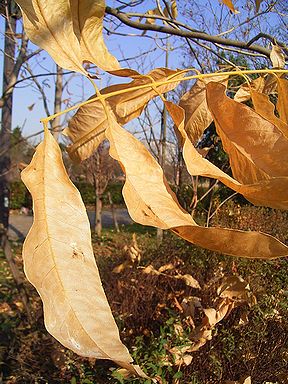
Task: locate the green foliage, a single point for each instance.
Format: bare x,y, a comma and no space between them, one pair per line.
19,196
88,193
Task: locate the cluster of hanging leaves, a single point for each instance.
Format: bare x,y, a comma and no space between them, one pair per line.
57,253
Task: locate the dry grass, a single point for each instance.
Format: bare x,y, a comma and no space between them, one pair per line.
147,308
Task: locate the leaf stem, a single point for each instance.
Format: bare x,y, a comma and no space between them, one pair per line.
155,84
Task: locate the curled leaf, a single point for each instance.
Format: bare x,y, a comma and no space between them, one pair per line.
70,31
150,201
244,92
230,5
197,114
256,148
59,262
265,108
282,107
277,57
86,128
87,16
129,105
43,27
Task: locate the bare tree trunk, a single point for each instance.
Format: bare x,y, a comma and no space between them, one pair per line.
163,142
98,201
56,123
113,212
6,121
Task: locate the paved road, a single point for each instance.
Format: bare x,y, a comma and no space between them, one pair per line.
19,225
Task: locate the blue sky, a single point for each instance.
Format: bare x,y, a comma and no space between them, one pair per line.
79,88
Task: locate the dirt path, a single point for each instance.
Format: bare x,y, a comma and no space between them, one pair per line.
19,225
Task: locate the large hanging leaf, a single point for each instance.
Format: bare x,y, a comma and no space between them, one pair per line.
59,262
69,30
256,148
277,57
129,105
48,24
150,201
86,128
197,114
265,108
244,92
271,193
282,106
87,16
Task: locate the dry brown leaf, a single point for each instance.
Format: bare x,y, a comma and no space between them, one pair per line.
174,10
129,105
189,280
150,201
265,108
190,304
244,320
166,267
180,356
31,107
244,380
70,31
277,57
200,336
282,106
197,114
257,4
214,316
86,128
59,262
87,16
244,94
230,5
236,289
257,149
43,27
260,194
133,254
150,270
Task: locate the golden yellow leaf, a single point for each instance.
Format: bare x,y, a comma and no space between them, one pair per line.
230,5
130,105
282,106
86,128
87,16
150,201
265,108
277,57
59,262
244,94
272,192
257,149
174,10
197,114
48,24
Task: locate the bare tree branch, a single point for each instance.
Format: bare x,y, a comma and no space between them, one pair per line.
189,34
